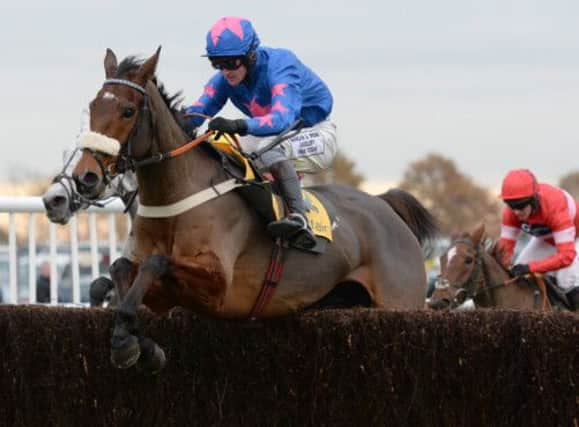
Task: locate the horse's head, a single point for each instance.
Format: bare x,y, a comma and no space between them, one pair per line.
460,271
62,199
59,200
118,114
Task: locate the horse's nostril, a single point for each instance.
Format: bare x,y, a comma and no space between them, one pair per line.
58,201
89,179
54,202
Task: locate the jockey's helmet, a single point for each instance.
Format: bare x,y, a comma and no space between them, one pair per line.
519,184
231,36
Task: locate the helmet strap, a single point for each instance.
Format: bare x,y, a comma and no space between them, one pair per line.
535,203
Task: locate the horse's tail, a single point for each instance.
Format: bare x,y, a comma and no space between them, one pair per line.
420,221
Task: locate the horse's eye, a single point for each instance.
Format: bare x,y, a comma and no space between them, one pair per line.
468,260
128,112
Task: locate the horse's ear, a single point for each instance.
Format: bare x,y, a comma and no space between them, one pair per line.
478,234
147,70
110,64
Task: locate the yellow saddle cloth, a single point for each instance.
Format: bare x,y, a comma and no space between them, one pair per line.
269,204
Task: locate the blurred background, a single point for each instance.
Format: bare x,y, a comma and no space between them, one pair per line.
438,98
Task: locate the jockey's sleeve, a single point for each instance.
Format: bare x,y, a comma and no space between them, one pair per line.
563,228
286,100
214,96
507,247
510,232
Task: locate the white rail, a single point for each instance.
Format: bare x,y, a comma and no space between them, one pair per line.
33,206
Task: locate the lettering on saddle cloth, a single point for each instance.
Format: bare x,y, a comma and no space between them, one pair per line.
316,213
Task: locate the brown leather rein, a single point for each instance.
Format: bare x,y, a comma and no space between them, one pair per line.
275,268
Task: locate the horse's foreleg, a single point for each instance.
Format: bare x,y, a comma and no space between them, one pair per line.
99,288
125,346
122,272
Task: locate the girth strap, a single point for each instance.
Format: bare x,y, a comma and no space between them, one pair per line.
272,278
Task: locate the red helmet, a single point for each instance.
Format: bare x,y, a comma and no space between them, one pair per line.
519,184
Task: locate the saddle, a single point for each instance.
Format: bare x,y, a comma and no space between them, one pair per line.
551,294
263,195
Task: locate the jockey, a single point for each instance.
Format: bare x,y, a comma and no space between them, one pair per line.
550,215
273,89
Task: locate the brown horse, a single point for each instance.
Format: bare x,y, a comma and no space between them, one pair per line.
471,268
213,258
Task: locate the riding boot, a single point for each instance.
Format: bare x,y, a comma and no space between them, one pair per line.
573,298
295,225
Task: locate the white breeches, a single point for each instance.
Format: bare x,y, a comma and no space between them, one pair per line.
538,249
312,150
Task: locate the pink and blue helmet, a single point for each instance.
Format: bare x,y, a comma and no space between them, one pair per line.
231,36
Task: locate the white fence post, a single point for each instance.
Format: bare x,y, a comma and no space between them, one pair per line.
14,206
32,258
74,260
13,298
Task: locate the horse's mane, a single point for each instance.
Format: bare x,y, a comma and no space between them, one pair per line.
496,251
128,68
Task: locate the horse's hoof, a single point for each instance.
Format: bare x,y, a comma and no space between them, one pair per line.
99,289
127,354
153,359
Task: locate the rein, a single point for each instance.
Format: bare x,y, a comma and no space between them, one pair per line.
275,268
478,275
159,157
474,279
97,142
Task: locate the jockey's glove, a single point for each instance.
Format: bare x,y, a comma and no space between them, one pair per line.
520,270
222,125
187,123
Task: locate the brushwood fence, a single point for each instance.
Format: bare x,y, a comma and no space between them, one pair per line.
325,368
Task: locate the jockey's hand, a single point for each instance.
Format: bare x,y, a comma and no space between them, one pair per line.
221,126
186,123
190,130
520,270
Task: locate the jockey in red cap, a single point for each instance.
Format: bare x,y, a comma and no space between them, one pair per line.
551,216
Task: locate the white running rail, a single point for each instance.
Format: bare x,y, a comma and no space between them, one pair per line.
33,206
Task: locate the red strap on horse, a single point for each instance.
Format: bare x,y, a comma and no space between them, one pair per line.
272,278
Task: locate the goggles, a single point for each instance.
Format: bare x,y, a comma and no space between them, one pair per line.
519,204
226,62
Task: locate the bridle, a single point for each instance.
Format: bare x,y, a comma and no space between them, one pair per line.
125,159
76,200
475,284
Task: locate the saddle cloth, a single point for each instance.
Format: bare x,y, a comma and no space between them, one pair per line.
264,196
